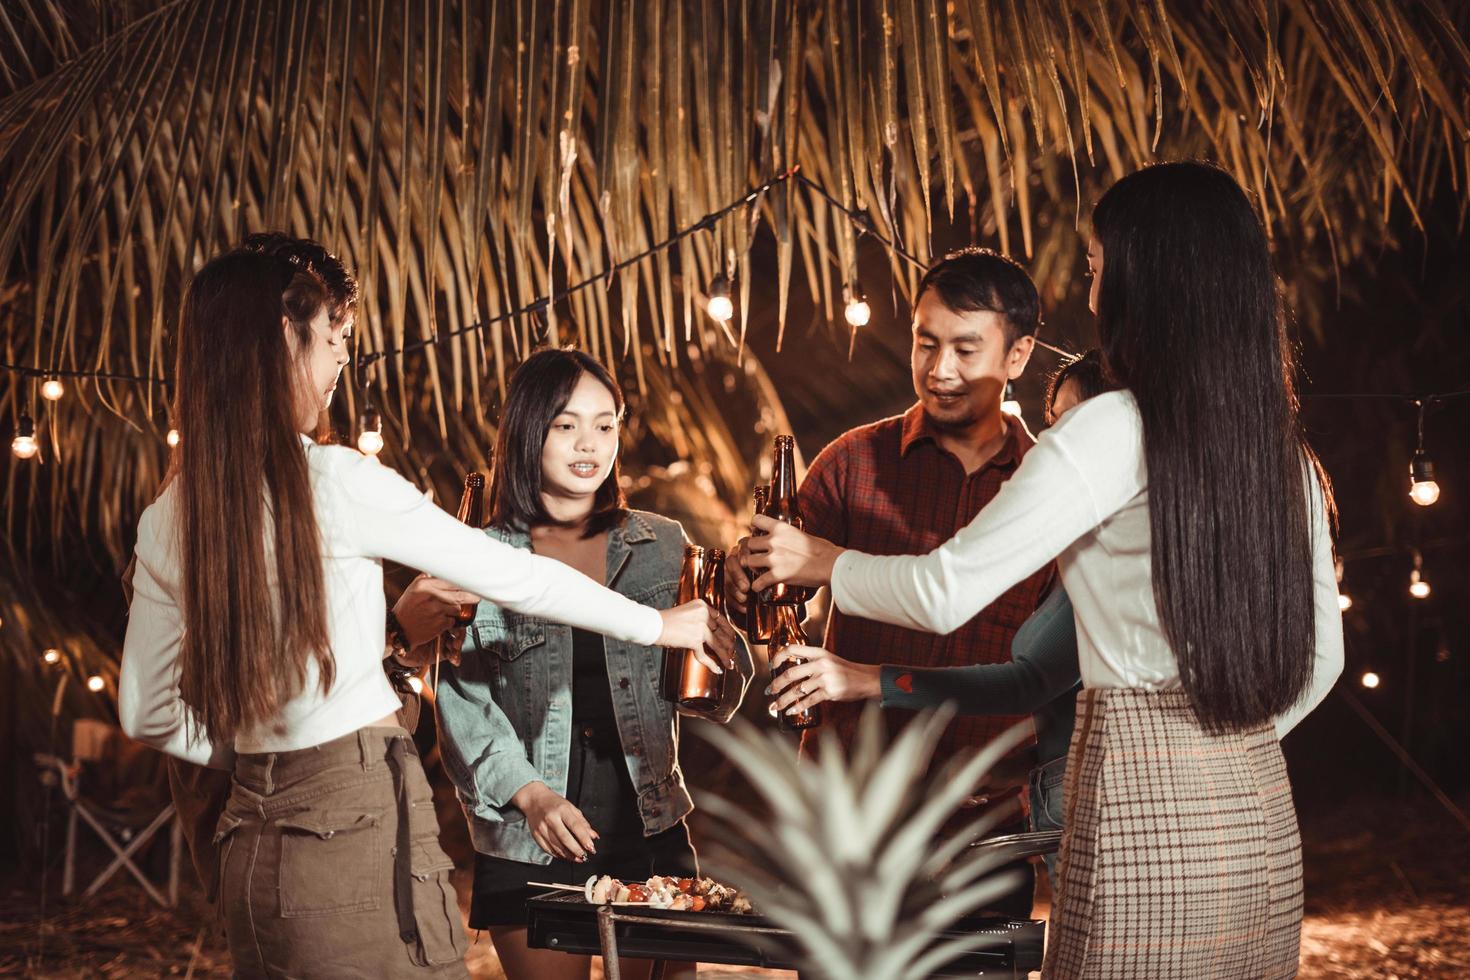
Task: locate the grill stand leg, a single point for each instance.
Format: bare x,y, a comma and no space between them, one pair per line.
607,935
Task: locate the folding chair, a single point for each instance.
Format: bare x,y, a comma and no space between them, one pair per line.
125,831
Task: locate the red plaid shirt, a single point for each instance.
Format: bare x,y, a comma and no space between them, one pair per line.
889,489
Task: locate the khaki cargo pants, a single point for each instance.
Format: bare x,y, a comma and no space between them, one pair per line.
321,875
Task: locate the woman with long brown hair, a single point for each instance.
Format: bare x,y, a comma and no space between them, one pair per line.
1191,525
256,635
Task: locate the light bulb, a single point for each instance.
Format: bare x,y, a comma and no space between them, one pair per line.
416,683
24,445
52,656
1344,601
95,683
1418,588
370,443
719,306
52,389
172,438
370,432
1422,488
858,312
1010,405
1370,680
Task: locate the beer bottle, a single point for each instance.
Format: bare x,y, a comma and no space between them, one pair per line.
471,512
758,615
781,504
691,579
701,689
788,632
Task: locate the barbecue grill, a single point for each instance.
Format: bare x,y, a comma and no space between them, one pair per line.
565,921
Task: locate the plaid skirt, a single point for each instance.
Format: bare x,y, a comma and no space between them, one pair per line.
1181,855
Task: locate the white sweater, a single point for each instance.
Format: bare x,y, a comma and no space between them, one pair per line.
1079,496
366,512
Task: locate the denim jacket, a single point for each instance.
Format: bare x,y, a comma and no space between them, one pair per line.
505,714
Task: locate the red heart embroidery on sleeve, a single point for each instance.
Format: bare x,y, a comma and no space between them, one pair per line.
905,683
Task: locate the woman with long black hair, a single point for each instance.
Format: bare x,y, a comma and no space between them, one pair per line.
1190,521
255,637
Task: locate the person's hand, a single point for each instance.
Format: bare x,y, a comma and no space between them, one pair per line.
557,826
429,607
737,583
782,553
695,626
824,677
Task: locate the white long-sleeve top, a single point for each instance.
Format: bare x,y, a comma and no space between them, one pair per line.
1081,497
365,512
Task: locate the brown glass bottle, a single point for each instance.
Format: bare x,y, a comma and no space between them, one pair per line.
701,689
786,632
471,512
781,504
691,579
758,615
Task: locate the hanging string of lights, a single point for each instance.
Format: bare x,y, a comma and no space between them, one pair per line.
719,305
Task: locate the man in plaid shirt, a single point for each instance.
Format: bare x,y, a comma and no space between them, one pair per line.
905,485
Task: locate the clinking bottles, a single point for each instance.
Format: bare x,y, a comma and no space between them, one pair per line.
687,682
787,631
758,615
782,505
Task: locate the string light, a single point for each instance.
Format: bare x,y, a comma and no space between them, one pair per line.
858,312
1423,490
172,438
1369,680
24,444
1418,588
95,683
1009,405
52,389
719,306
52,656
370,432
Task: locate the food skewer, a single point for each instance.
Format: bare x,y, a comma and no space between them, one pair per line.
558,887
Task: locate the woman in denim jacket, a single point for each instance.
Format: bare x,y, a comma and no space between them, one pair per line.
563,752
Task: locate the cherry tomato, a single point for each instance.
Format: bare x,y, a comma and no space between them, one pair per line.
686,885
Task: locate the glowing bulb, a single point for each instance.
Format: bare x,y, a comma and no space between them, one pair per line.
1370,680
52,656
1422,488
417,684
172,438
858,312
370,443
95,683
1344,601
1418,588
52,389
718,305
24,445
1010,405
370,432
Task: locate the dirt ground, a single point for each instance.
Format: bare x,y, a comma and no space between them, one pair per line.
1388,896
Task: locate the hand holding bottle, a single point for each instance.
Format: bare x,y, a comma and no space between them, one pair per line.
781,553
818,675
693,625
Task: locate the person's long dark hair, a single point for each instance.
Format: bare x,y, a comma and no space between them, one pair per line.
538,392
1190,321
254,602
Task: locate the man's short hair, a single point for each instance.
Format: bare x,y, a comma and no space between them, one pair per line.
975,279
